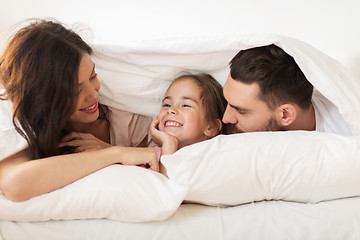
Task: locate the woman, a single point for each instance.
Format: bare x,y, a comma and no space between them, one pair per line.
48,75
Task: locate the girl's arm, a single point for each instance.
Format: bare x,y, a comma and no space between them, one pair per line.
169,146
168,143
22,178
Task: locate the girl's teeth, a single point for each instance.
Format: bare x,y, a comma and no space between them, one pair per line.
173,124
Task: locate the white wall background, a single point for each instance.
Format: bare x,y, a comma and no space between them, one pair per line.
330,25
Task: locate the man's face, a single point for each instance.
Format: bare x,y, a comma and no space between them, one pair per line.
245,110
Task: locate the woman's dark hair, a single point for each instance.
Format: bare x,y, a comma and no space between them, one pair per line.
39,72
211,95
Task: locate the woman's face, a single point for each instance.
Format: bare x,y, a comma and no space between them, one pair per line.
88,86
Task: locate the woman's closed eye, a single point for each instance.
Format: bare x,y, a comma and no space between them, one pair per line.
94,76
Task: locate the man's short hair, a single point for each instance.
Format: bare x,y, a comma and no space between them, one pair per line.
279,77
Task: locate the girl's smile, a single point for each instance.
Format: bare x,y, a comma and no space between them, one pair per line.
171,123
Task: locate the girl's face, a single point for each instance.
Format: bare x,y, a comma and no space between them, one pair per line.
183,114
88,86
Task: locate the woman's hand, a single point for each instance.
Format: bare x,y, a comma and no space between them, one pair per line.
146,157
83,142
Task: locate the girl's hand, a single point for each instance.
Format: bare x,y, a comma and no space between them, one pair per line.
156,135
83,142
169,144
160,138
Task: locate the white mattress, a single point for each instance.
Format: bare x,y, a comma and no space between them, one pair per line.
337,219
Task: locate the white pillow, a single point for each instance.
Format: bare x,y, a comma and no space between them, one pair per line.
296,166
10,141
124,193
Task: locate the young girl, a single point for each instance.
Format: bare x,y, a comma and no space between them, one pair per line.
191,112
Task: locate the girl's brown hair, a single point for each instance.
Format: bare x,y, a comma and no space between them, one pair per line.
211,95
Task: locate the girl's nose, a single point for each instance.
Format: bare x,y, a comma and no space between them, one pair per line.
171,110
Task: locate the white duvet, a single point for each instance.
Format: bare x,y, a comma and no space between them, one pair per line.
227,170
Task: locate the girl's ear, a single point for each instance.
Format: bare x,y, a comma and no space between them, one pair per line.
213,129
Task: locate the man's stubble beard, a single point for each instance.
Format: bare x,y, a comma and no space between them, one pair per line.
271,125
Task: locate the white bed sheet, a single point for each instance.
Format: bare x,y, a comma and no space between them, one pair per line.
337,219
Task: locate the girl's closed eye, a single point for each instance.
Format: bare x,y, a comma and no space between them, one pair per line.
166,105
186,105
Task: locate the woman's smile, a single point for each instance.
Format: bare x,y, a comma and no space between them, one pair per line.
90,109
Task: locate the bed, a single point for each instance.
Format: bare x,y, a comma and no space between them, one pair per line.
270,185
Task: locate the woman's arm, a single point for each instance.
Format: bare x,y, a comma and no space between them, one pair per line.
22,178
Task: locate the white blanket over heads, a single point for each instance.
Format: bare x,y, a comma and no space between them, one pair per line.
135,76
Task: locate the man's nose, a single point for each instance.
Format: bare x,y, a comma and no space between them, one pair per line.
228,116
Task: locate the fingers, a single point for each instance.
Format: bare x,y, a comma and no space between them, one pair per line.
154,165
155,123
69,137
76,135
72,143
156,120
83,142
74,139
153,161
141,156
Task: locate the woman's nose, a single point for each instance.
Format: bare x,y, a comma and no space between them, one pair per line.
96,84
93,90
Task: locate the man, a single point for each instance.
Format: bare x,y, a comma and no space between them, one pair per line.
267,91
